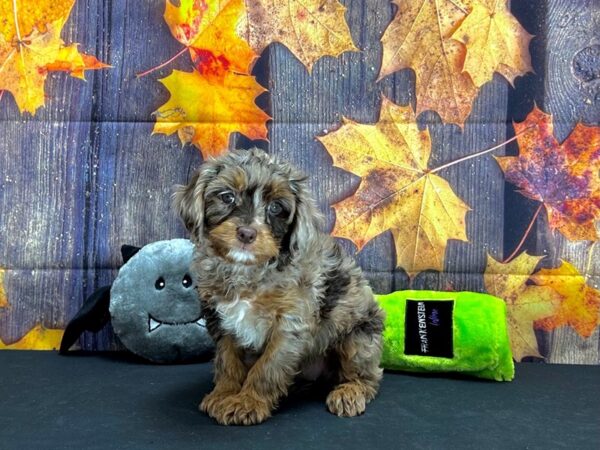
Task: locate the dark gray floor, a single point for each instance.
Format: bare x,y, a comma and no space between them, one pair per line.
110,401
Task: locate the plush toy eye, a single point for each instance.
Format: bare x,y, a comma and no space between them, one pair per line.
160,284
187,281
275,208
227,197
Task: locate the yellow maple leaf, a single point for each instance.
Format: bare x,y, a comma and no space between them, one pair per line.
38,338
3,298
205,111
397,191
524,303
22,66
31,14
310,29
580,304
26,58
420,38
495,41
208,28
188,20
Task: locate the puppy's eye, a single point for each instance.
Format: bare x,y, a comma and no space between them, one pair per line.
227,197
160,284
187,281
275,208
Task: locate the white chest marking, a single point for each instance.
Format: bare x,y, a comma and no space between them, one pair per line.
240,319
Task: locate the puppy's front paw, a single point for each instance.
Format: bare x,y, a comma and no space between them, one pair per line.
242,409
347,400
211,403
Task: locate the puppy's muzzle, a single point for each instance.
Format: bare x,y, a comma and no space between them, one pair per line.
246,235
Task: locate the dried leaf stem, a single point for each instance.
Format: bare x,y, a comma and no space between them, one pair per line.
516,250
482,152
161,65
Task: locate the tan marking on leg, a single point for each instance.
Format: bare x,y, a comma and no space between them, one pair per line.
230,373
359,357
267,381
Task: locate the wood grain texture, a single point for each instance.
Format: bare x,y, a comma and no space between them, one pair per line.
130,192
85,176
44,176
571,95
305,106
563,28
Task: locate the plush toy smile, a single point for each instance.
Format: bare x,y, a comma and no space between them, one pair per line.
154,323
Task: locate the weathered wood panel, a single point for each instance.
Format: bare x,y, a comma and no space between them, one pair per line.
44,176
561,29
84,175
306,105
131,189
572,95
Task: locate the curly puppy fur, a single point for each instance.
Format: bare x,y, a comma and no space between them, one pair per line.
280,297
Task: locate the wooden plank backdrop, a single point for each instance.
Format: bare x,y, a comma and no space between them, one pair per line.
572,94
85,175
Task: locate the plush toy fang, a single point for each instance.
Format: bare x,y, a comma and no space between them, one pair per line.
152,304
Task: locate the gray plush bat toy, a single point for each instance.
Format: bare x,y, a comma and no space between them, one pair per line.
152,304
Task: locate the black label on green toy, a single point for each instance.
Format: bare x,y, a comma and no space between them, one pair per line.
428,328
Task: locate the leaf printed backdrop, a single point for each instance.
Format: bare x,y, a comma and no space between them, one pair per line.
422,125
30,47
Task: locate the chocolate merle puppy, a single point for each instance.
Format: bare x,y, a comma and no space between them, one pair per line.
279,295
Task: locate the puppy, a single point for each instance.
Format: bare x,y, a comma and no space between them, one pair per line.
280,297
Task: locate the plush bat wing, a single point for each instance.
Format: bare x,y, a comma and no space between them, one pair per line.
92,316
94,312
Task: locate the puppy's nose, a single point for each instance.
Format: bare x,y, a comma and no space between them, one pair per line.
247,235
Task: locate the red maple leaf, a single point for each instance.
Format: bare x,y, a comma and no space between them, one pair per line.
565,176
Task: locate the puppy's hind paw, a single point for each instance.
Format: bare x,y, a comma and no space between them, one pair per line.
347,400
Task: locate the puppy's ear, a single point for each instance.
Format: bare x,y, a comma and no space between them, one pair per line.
188,200
185,203
308,221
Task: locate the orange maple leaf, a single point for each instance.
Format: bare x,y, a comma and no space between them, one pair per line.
30,47
208,29
525,304
397,191
218,97
580,304
310,29
205,111
38,338
495,42
564,177
70,60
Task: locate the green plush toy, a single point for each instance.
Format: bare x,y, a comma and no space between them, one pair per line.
428,331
